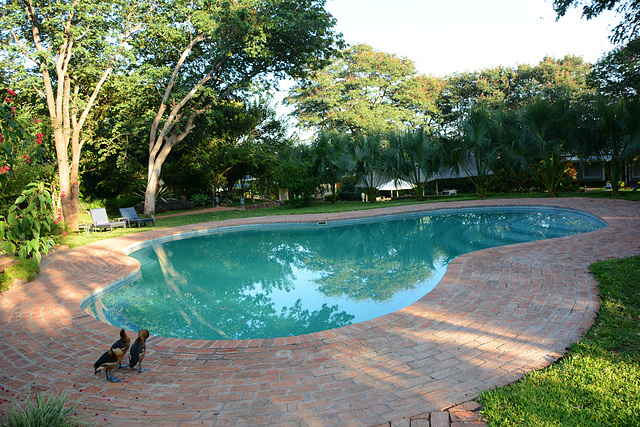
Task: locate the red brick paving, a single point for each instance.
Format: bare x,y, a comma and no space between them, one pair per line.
495,315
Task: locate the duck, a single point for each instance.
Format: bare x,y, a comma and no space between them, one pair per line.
138,349
108,362
123,344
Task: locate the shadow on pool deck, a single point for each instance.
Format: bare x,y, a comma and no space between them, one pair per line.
495,315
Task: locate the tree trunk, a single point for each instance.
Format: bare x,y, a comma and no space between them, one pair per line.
155,168
150,195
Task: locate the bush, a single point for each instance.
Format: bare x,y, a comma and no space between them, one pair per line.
296,176
41,411
28,228
24,153
199,199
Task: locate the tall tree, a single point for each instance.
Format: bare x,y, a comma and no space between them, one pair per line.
477,150
66,50
540,136
610,133
504,87
629,10
415,157
206,51
552,79
617,74
365,91
364,159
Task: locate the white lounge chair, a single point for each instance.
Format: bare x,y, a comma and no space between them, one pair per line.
101,220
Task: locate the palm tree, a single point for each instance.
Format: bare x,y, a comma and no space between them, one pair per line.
363,158
413,157
611,134
326,157
541,136
477,146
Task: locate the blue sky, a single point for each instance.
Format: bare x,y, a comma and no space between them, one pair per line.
447,36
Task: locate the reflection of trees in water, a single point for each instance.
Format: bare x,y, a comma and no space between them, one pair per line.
371,261
225,307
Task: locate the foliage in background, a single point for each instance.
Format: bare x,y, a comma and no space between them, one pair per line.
28,228
628,11
509,88
237,139
540,136
609,132
327,165
477,151
596,383
200,199
364,160
617,73
415,157
365,91
295,172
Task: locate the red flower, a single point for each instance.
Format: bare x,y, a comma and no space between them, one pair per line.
11,92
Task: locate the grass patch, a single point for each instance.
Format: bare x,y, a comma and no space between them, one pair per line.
597,382
27,270
37,410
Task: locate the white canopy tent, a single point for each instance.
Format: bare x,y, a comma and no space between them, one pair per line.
395,184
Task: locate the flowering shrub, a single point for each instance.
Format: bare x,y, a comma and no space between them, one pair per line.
26,208
569,180
562,178
24,156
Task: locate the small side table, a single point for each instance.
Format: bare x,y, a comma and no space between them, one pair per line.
85,227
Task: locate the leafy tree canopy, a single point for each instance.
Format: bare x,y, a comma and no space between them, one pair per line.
201,52
629,10
507,87
366,91
617,74
65,51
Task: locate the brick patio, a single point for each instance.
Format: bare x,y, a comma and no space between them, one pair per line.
496,314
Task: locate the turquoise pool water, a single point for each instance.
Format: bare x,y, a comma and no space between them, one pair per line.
272,281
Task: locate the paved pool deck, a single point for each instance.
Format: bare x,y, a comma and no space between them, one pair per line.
496,314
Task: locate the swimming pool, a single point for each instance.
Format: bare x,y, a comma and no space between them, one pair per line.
291,279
